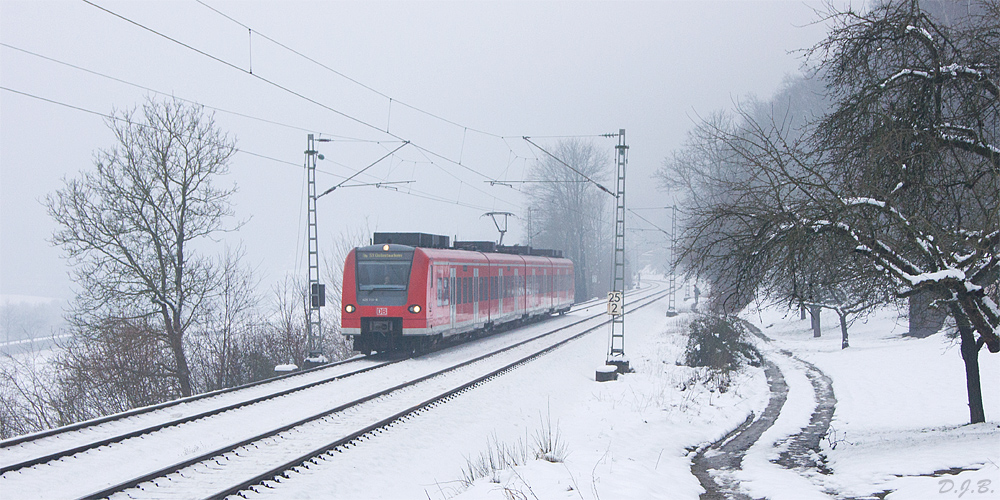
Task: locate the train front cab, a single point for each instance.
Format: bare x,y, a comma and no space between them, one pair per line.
383,297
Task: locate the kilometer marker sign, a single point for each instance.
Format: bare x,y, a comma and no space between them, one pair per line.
616,302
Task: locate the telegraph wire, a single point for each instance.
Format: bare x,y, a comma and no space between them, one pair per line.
85,110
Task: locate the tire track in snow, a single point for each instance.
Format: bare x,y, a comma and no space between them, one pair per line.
801,450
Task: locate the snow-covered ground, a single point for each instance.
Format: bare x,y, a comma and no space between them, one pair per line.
900,417
623,439
902,413
900,420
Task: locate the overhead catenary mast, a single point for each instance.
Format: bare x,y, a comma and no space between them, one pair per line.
317,290
616,297
672,298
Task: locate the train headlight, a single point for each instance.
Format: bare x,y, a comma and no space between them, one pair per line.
415,308
349,308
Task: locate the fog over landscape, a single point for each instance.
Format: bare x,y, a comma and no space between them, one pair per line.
387,249
492,71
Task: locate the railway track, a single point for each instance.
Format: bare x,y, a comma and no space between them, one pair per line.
47,446
325,420
52,444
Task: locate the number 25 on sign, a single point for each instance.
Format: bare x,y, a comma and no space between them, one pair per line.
615,303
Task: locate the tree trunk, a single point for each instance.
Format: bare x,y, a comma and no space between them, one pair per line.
844,344
183,372
176,338
970,354
814,316
924,319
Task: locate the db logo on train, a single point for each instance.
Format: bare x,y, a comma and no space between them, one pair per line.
381,311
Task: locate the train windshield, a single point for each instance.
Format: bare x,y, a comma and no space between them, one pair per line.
384,271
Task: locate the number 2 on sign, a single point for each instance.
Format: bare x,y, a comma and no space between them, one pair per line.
615,303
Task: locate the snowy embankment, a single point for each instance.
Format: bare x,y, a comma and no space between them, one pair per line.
900,418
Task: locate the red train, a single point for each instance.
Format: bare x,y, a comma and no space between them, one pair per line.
407,297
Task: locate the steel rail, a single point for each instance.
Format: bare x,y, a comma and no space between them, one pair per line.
276,472
166,404
170,423
228,448
174,422
25,438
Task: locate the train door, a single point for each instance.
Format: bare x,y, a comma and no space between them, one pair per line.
544,285
533,291
452,292
500,294
475,295
517,292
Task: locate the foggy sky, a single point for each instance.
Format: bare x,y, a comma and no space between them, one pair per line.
496,71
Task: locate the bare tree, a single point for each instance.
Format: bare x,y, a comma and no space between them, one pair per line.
336,345
915,143
228,319
130,226
571,214
904,171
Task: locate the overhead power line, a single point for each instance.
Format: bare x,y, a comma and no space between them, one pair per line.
658,228
389,98
293,92
556,158
190,101
359,172
410,192
242,70
392,100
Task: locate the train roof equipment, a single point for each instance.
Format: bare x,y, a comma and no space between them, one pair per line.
425,240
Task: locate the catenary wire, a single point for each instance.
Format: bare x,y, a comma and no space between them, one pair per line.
340,138
285,89
346,77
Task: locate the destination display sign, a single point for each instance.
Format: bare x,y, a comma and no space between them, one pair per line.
384,255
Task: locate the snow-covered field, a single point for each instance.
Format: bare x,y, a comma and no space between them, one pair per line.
902,412
900,417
